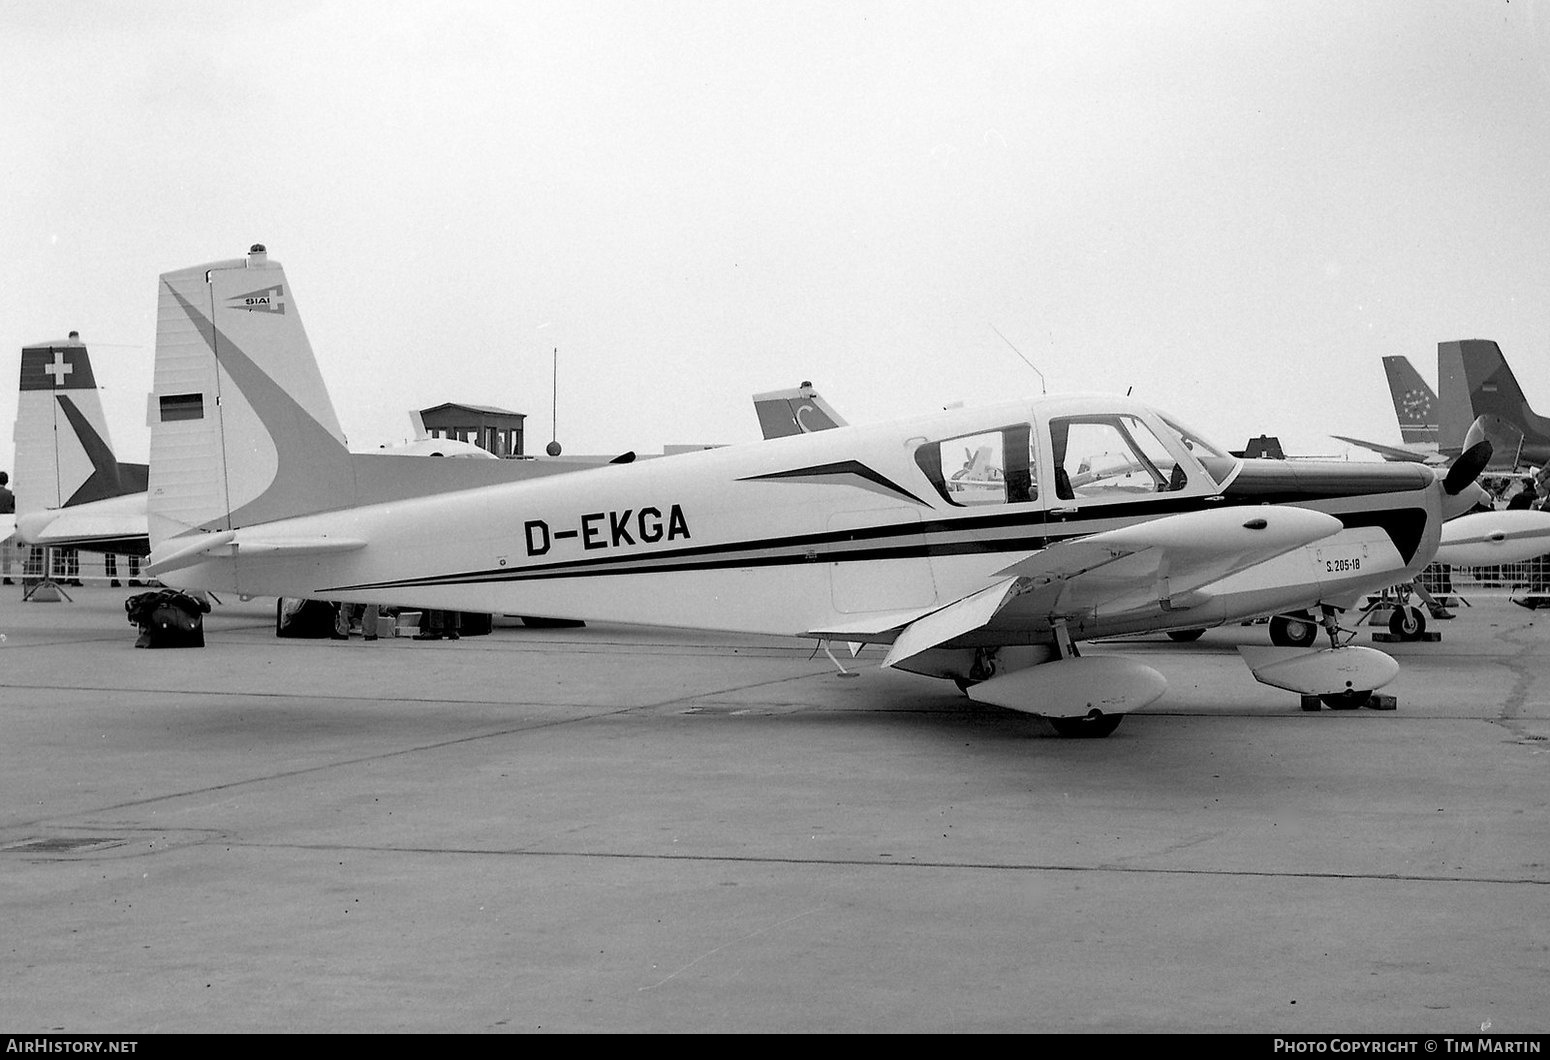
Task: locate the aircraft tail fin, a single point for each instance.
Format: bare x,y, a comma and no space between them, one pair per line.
797,411
242,427
1490,398
1415,404
63,453
1490,383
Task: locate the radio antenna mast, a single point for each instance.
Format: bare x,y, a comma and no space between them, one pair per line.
1043,388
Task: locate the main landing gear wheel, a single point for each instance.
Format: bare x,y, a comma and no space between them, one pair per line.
1347,700
1297,630
1407,623
1094,725
1184,636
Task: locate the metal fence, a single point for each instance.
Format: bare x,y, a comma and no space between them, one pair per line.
71,567
1509,579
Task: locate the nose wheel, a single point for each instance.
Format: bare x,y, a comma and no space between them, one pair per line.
1407,622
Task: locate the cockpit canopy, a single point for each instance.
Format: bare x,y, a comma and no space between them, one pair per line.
1079,452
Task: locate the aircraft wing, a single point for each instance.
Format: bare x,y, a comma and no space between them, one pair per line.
1397,453
1168,562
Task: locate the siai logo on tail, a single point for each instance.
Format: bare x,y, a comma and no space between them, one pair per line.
263,300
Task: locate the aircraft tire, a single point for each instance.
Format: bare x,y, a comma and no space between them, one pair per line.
1349,700
1184,636
1407,623
1095,725
1293,631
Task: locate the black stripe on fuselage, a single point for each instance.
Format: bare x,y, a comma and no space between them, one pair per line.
1021,531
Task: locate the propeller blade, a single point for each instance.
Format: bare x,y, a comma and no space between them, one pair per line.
1466,468
1475,434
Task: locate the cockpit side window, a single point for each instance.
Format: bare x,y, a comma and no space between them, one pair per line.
992,467
1098,457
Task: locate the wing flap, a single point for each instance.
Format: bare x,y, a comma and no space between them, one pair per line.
954,620
872,626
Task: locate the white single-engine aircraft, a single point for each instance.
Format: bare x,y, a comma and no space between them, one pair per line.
852,533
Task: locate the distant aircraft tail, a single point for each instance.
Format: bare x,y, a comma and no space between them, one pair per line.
1496,405
63,453
1415,405
242,428
798,411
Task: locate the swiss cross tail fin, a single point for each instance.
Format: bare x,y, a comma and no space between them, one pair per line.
63,453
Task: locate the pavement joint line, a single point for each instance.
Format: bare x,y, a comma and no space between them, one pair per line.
226,692
950,707
885,863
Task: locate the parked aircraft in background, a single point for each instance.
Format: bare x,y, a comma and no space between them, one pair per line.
1497,411
71,489
1417,407
783,413
848,534
1479,399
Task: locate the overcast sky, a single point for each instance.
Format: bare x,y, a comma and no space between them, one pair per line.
1234,208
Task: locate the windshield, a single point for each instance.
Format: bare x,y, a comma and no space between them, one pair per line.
1217,461
1194,441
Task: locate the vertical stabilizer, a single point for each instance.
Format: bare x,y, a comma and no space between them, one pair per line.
1415,406
1494,400
1492,387
242,428
63,455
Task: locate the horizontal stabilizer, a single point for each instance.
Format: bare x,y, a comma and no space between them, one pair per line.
1074,687
116,519
1396,453
297,546
230,543
1328,672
